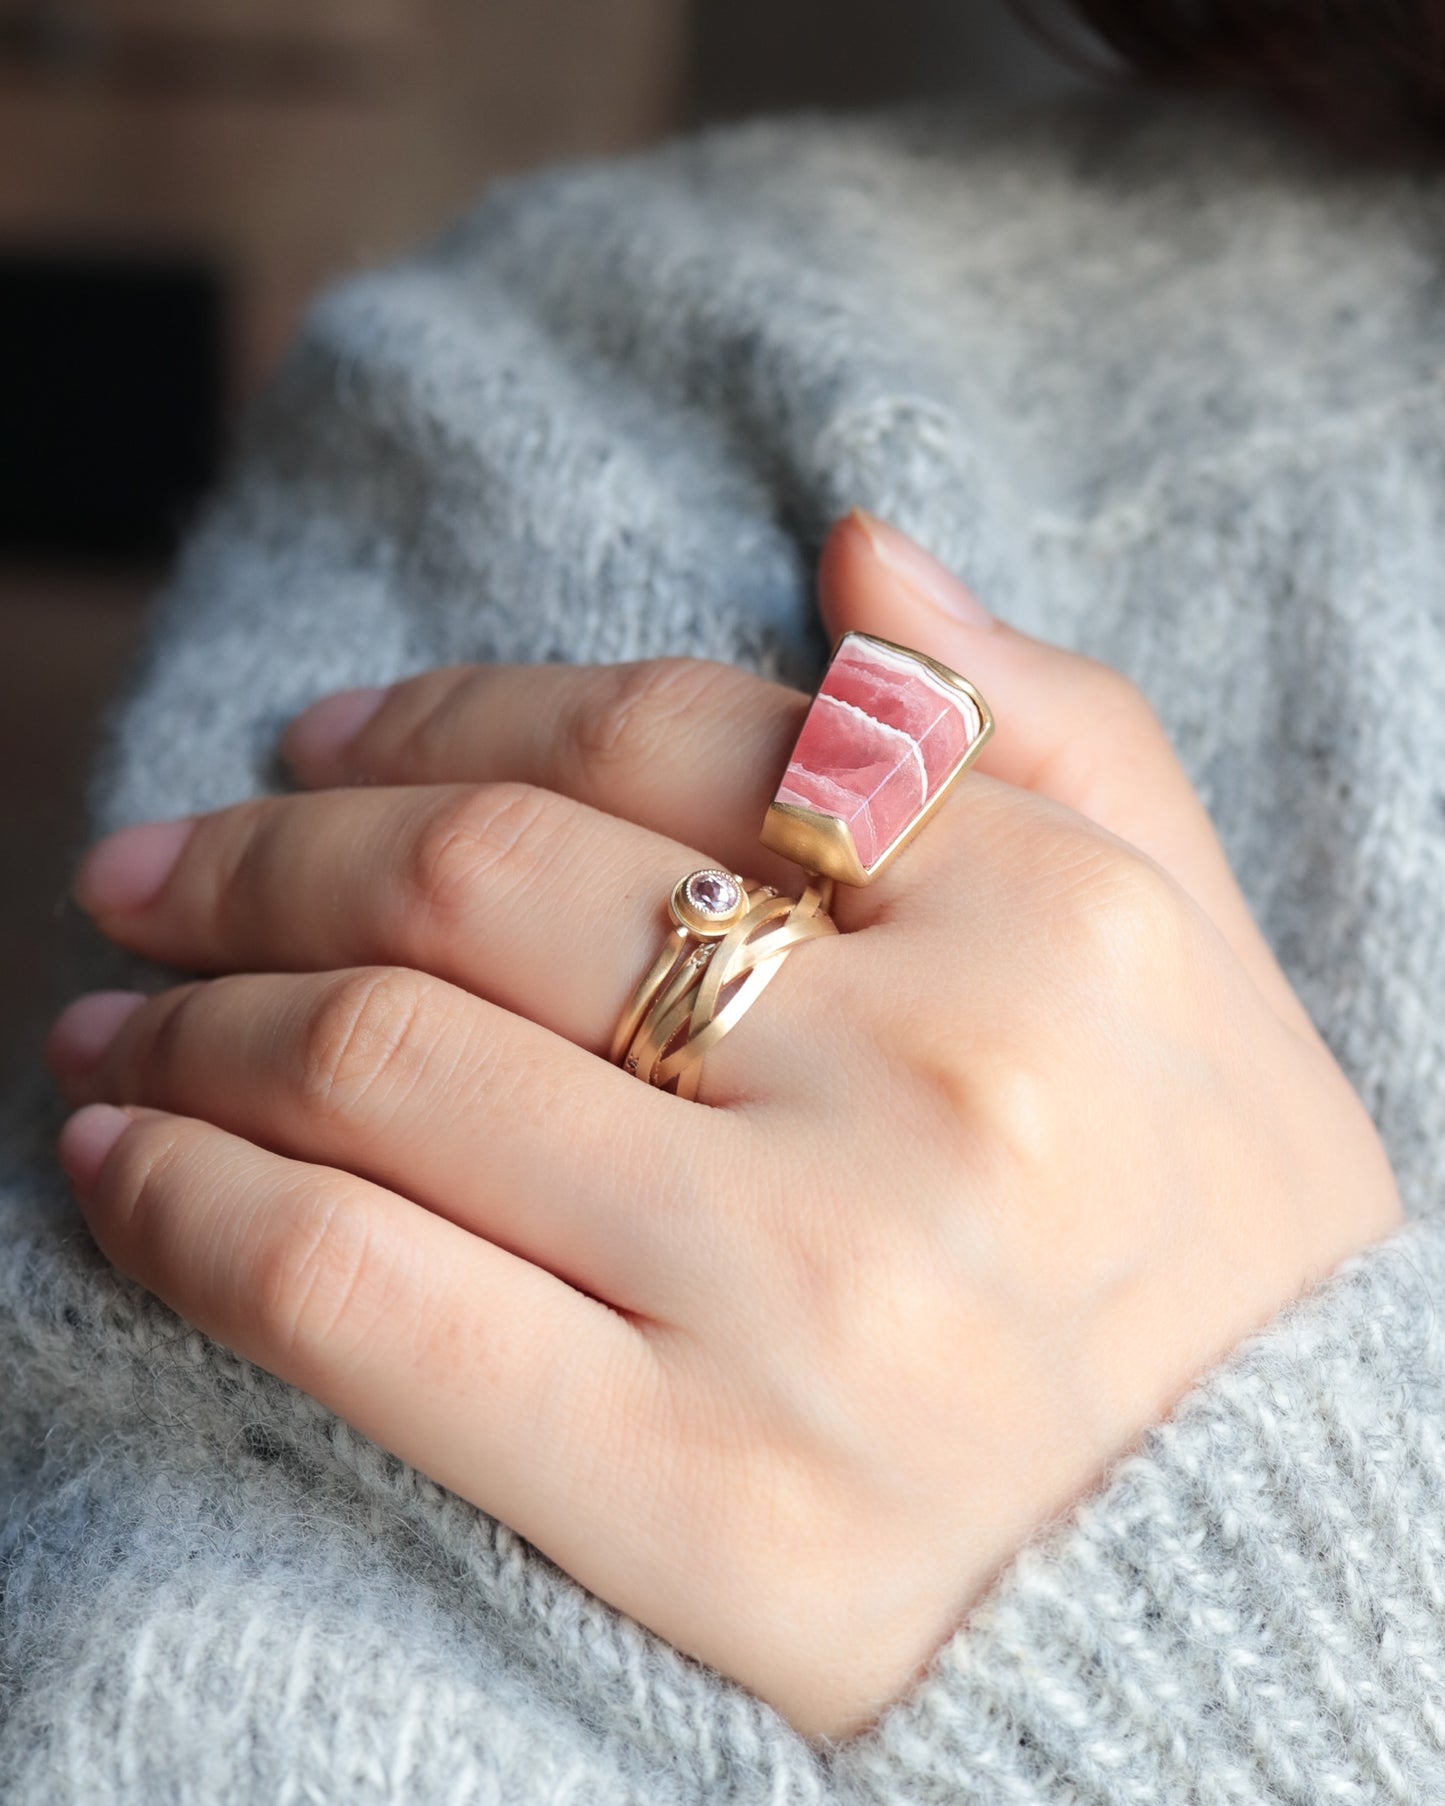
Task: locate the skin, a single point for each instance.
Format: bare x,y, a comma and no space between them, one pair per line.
969,1199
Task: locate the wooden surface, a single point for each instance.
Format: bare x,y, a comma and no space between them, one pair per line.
343,19
291,172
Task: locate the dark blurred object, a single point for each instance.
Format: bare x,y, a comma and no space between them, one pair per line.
1369,73
762,55
130,48
66,640
250,138
112,389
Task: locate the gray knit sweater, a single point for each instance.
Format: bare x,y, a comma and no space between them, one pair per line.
1162,386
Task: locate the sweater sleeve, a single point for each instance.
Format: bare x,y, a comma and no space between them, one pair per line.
1251,1609
609,417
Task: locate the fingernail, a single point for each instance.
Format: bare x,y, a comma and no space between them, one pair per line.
127,870
323,732
86,1140
84,1029
922,573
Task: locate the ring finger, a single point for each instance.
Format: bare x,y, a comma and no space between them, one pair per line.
416,1086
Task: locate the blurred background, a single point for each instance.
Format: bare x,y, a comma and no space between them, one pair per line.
177,177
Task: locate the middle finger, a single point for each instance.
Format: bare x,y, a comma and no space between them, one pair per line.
531,900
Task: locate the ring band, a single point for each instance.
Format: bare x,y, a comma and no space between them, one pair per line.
751,953
703,906
707,976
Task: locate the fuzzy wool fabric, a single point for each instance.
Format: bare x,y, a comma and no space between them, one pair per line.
1163,385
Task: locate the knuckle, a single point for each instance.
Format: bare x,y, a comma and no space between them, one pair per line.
1104,701
1124,917
628,717
136,1183
368,1033
245,837
1114,736
494,835
172,1030
423,718
315,1285
1126,722
1113,691
1015,1118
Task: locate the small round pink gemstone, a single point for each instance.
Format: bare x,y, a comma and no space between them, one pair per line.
713,893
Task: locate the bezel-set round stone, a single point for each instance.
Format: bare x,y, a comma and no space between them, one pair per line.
709,901
713,893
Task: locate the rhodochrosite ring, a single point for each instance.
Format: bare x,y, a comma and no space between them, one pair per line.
889,734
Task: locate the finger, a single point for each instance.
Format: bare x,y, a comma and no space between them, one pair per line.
688,748
417,1086
1067,727
538,903
483,1371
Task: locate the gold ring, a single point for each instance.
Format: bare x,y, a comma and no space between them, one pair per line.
727,943
703,906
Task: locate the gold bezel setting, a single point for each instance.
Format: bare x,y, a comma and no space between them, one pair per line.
822,843
708,902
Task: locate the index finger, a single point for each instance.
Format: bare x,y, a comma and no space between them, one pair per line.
687,747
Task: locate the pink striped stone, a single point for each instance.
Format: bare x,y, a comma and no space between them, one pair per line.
883,735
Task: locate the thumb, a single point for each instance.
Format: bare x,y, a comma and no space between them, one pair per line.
1065,725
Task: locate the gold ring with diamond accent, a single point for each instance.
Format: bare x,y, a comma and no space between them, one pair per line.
727,943
703,906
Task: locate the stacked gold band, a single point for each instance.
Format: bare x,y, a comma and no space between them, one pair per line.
688,938
708,975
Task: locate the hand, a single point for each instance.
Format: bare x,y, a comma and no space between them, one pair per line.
971,1195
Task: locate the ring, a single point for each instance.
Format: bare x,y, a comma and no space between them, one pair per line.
703,906
887,736
727,944
889,733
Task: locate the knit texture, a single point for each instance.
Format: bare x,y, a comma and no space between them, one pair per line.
1162,386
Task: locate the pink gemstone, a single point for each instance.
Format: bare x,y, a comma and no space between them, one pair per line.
712,893
883,735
